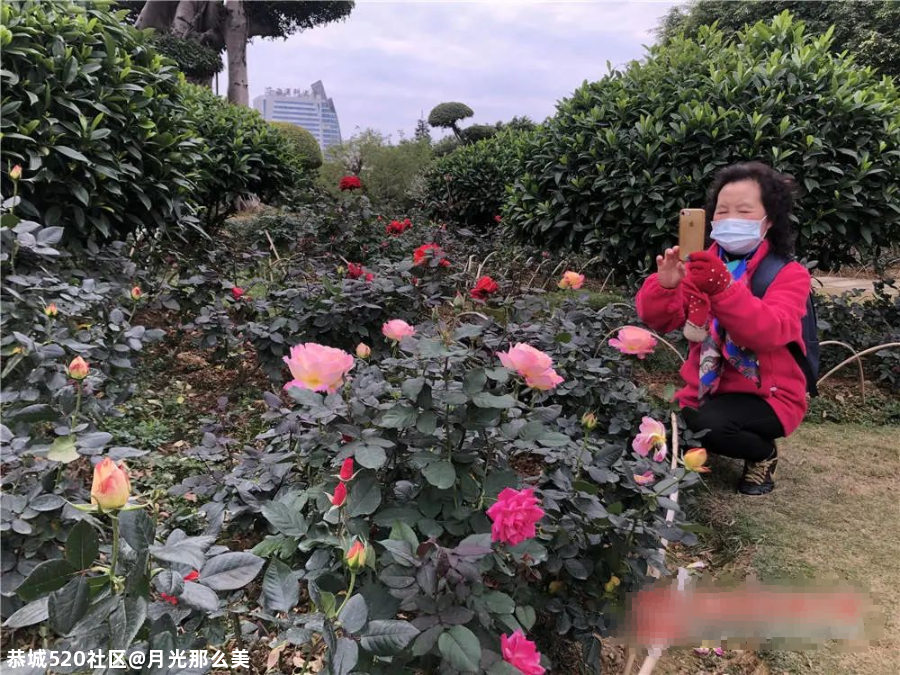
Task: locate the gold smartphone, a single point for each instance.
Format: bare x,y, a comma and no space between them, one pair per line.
691,232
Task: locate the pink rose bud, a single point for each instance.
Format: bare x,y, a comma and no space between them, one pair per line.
356,556
15,173
363,350
78,368
237,292
136,293
51,310
111,487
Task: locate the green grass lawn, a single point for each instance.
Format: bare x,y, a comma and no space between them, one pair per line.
834,514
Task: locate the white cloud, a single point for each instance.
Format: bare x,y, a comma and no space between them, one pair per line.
390,60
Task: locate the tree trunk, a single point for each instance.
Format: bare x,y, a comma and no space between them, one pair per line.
157,14
236,44
188,17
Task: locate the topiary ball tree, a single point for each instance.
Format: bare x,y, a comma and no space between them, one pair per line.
609,172
447,115
305,144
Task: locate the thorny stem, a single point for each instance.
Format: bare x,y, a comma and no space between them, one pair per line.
349,592
115,551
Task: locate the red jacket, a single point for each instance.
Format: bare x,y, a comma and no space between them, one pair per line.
765,325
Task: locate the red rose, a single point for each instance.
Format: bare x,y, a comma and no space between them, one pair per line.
193,575
355,271
349,183
484,287
237,292
428,251
497,218
369,277
171,599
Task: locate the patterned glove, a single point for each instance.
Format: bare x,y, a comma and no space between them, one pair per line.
707,273
698,312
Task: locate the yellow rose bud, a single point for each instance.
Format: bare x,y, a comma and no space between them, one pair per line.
589,421
695,459
111,487
78,368
341,269
356,556
556,586
51,310
612,584
15,173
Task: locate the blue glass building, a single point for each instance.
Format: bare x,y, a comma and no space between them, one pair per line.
311,109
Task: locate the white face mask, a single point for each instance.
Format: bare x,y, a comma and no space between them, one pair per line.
737,235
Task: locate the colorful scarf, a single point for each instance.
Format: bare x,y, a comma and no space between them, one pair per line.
718,342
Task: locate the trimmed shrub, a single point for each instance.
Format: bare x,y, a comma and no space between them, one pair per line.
198,62
243,155
610,171
469,185
92,114
305,144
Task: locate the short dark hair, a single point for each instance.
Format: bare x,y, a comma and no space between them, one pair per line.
777,197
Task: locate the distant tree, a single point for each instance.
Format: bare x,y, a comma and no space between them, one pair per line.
231,24
524,123
448,115
422,132
477,132
868,29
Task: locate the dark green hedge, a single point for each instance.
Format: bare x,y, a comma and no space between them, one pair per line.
610,171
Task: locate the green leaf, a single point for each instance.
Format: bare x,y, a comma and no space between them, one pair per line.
501,667
475,381
365,497
136,528
82,546
63,450
286,519
499,603
412,388
461,649
370,456
440,474
387,637
485,399
526,616
401,551
427,422
427,640
199,596
30,614
280,588
230,571
69,152
403,532
399,417
355,614
345,657
49,576
126,621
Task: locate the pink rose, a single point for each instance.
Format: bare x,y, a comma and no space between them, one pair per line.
645,478
397,329
318,368
514,516
532,364
571,280
652,436
634,340
521,653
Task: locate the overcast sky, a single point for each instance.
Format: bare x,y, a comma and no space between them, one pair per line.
390,61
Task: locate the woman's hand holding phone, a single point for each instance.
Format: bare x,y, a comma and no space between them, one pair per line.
670,269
